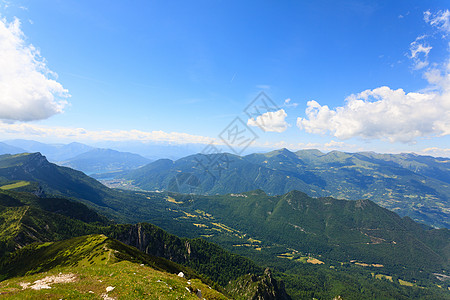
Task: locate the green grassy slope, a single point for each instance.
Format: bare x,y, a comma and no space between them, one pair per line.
80,251
332,229
92,263
24,224
290,228
53,179
129,280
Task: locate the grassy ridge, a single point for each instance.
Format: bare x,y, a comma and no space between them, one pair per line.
16,185
130,281
26,224
93,263
80,251
330,230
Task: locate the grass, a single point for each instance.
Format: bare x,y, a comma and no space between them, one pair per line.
405,283
130,281
381,276
10,225
14,185
172,200
254,241
224,227
314,261
93,263
368,265
200,225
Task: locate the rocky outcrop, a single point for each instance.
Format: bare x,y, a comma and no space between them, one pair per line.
152,240
264,287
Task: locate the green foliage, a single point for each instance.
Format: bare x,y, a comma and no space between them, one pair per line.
92,253
80,251
410,184
251,286
61,206
334,231
308,282
24,224
206,258
129,280
15,185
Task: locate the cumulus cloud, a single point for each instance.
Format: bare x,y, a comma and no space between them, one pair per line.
27,130
382,113
27,90
392,114
273,121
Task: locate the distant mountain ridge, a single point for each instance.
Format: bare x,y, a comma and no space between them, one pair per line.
57,152
53,179
291,231
54,152
410,184
105,161
8,149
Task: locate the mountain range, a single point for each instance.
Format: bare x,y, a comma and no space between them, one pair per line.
101,161
321,247
79,156
409,184
54,152
8,149
58,152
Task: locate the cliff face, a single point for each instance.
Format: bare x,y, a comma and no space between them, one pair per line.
203,257
253,287
153,240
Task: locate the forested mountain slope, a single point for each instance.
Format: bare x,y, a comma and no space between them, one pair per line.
409,184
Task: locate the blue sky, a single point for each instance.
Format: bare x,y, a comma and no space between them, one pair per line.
180,72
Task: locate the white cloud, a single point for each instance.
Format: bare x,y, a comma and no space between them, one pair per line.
27,91
270,121
419,51
388,114
439,20
404,15
27,130
383,113
325,147
288,103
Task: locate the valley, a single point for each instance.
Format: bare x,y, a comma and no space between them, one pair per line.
409,184
326,239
